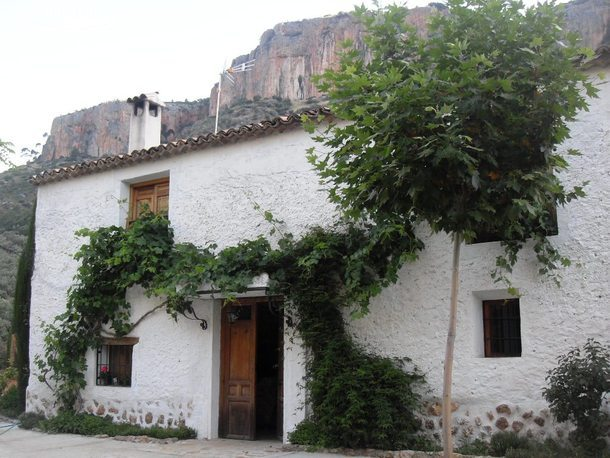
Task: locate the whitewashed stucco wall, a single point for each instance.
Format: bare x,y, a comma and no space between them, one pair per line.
413,315
212,198
212,195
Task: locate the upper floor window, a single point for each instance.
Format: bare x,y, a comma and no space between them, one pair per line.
151,195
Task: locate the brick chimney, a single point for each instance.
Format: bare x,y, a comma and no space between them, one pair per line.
145,122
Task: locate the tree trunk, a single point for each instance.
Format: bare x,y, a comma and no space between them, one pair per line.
448,373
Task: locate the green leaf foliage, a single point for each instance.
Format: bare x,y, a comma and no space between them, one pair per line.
357,399
458,129
21,311
575,391
6,376
114,259
90,425
513,445
30,420
10,403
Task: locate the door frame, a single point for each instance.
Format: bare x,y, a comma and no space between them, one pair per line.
224,361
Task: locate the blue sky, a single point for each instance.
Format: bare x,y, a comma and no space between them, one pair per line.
60,56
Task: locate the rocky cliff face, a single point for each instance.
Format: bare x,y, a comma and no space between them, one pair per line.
292,52
104,129
286,59
591,20
178,117
91,132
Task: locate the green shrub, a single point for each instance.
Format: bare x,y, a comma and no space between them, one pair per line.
91,425
424,444
510,445
575,392
476,447
357,399
180,433
306,433
548,449
521,453
9,403
6,375
30,420
503,441
68,422
361,400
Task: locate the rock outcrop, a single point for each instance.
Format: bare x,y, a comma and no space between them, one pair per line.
178,117
286,59
591,20
93,132
103,130
292,52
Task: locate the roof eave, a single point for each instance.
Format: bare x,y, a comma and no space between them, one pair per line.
227,136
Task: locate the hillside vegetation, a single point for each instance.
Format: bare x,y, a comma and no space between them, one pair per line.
17,196
16,199
248,111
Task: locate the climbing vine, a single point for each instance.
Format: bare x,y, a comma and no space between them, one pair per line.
357,399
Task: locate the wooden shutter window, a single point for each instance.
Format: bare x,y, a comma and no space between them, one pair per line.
152,195
502,328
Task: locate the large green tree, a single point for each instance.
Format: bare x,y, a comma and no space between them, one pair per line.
458,130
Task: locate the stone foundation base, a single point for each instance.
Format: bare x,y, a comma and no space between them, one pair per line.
469,424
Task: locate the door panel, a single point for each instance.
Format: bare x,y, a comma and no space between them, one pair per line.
238,371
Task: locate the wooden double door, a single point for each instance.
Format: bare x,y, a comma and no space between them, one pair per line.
251,394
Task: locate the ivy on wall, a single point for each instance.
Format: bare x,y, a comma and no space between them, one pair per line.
357,399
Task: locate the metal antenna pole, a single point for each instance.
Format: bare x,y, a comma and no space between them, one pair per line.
229,72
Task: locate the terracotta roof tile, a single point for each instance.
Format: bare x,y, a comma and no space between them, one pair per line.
231,135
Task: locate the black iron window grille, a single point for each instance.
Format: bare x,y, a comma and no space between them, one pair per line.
502,328
113,365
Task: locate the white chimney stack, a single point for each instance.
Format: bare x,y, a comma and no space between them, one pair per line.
145,122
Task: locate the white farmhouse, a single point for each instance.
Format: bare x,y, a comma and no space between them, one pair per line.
168,372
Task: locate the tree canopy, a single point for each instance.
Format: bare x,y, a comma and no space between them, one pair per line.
459,128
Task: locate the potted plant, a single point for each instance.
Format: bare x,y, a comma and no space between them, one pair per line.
104,377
